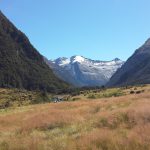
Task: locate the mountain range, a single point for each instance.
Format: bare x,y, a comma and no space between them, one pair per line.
136,70
80,71
21,65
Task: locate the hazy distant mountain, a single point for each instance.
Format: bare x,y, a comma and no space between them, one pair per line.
81,71
21,65
136,70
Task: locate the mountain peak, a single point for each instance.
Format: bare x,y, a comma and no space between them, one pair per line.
62,61
61,58
77,58
116,59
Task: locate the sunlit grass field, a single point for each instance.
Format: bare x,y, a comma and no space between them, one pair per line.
115,122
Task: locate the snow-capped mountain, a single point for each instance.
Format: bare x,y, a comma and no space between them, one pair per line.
81,71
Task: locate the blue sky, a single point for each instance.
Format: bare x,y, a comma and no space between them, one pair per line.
97,29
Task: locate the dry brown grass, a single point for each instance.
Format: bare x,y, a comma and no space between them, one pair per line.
121,123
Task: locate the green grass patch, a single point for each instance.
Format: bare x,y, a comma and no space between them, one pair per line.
106,93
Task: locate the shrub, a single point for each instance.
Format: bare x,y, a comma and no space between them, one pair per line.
138,92
132,92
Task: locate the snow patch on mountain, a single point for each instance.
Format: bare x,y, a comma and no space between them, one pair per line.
79,59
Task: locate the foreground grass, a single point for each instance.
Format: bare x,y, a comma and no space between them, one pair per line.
116,123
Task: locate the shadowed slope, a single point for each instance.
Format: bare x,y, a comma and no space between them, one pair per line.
136,70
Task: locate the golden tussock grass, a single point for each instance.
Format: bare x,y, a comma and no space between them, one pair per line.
117,123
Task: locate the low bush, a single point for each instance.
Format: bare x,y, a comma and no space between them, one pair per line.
132,92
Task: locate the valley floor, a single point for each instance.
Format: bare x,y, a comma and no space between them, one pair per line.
115,123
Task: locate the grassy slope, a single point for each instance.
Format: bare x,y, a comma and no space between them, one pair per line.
116,123
15,97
